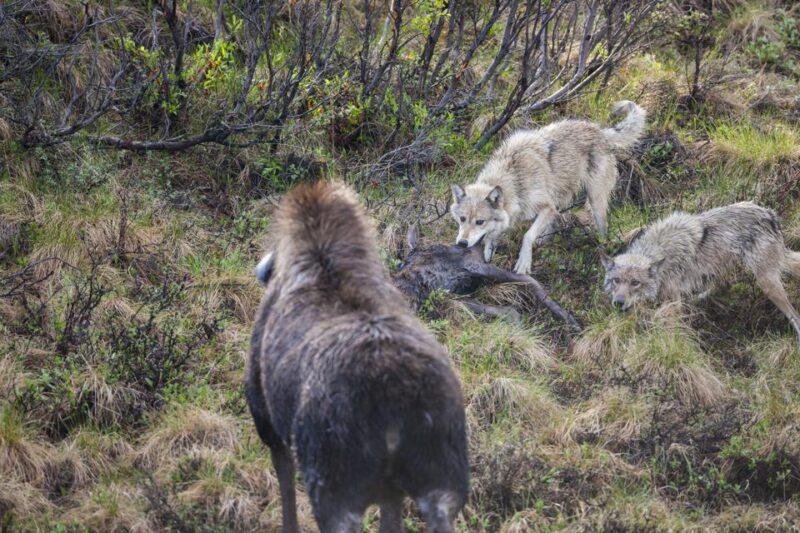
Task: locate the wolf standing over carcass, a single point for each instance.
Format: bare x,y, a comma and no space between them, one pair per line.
683,253
343,372
536,173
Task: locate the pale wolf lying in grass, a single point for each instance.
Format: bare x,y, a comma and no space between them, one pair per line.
343,372
536,173
683,253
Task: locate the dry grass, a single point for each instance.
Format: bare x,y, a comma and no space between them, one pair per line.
749,21
655,346
87,456
496,398
616,417
23,455
113,507
668,353
753,517
20,501
498,345
589,434
6,133
239,293
10,372
184,431
604,343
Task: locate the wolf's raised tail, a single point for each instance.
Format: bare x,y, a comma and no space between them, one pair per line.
625,134
792,265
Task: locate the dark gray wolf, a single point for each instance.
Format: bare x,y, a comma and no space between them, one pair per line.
683,254
536,173
343,372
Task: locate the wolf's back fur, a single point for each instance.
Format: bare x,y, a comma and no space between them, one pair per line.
540,172
551,165
694,250
686,253
343,371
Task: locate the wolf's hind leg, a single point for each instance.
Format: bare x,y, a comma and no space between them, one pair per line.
544,220
392,517
772,286
598,202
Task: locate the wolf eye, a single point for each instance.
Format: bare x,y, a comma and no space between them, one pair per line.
479,222
615,280
635,283
463,219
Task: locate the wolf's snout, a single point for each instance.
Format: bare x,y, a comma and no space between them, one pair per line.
618,302
463,243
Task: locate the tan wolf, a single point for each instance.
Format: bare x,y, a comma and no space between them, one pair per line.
536,173
342,373
683,254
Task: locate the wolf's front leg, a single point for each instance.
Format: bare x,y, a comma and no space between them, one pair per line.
542,224
488,249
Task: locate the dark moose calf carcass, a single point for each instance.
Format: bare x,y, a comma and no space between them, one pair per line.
342,372
460,270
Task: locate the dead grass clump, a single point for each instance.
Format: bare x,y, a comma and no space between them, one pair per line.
614,418
21,502
655,347
84,458
604,343
754,517
751,162
88,395
498,345
234,506
9,372
749,21
505,478
184,430
496,398
237,293
112,507
668,353
118,236
23,456
6,133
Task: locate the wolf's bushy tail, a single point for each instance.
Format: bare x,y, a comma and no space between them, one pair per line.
792,265
625,134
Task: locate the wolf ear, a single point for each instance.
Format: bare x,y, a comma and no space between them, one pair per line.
494,196
458,192
654,267
607,260
411,238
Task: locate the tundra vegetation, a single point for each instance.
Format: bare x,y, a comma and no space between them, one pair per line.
143,147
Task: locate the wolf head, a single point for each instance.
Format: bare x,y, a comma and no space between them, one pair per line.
630,279
478,212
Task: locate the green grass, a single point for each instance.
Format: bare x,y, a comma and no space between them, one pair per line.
756,147
648,421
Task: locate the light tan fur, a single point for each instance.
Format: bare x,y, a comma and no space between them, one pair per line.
536,173
684,254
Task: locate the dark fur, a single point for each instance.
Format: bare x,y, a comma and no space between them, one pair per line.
461,270
342,371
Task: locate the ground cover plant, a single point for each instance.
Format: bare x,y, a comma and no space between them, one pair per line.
143,147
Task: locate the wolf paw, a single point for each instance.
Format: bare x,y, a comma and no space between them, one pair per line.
523,266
